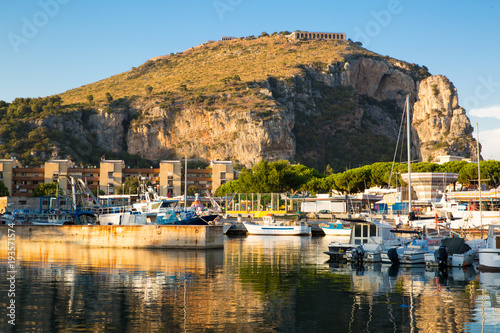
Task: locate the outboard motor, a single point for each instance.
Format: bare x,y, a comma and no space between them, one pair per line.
442,256
392,253
358,254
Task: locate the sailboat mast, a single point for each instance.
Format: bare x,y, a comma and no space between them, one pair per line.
409,152
479,180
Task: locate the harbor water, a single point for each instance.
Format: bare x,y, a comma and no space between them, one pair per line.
253,284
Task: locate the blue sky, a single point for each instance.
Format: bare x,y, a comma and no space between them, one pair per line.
50,46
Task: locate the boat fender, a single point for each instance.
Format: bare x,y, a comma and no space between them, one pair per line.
392,253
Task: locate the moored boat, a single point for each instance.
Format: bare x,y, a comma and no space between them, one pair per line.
335,229
374,234
270,226
453,251
412,253
489,256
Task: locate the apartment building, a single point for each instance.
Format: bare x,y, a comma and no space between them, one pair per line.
170,179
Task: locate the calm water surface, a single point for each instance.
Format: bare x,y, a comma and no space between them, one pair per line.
255,284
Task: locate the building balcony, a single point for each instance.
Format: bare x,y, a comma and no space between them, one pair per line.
197,179
28,178
24,194
198,171
91,179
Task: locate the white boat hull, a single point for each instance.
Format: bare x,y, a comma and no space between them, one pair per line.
406,257
489,259
126,218
276,230
336,231
463,259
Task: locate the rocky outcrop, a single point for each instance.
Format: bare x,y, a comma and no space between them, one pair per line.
343,113
440,125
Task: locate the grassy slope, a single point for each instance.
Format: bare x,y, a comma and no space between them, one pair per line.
203,67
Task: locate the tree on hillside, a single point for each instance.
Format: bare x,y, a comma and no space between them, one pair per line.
109,98
328,170
90,98
149,89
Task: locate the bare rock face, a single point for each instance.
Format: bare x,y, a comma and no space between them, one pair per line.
440,125
378,79
217,134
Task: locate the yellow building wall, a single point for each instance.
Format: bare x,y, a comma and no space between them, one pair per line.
59,168
6,166
111,173
172,169
222,172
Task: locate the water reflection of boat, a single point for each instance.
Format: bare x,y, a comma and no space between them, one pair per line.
491,282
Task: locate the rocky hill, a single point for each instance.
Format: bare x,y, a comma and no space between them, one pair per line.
312,102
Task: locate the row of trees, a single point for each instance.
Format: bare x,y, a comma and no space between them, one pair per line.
281,176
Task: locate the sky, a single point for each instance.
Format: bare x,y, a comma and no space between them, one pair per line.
50,46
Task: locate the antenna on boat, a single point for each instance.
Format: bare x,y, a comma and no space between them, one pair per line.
479,179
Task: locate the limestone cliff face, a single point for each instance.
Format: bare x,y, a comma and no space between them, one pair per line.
216,134
440,124
344,113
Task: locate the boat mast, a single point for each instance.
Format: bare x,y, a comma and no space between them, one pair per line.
185,181
479,179
409,153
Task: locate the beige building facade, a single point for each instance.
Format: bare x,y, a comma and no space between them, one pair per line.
170,179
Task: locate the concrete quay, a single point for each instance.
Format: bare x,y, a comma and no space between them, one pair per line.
136,236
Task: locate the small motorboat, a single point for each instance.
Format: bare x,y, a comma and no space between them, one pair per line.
270,226
336,229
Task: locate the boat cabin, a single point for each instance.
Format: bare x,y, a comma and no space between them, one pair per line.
493,240
364,231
